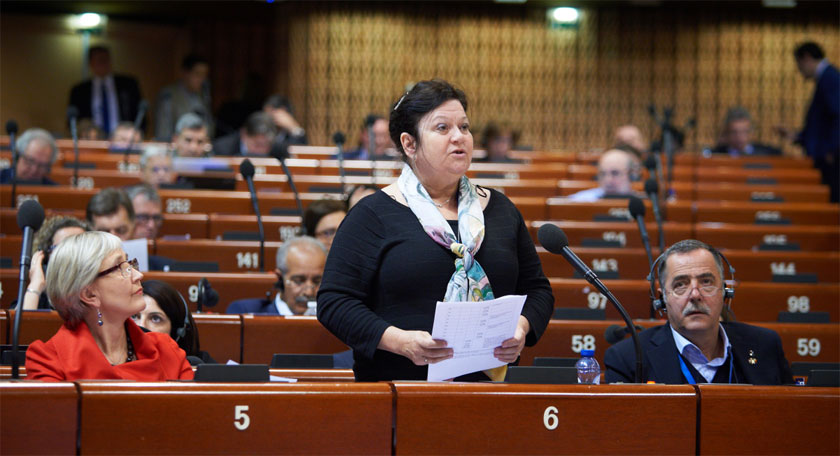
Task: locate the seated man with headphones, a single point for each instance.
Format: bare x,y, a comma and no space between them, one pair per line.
300,265
696,345
617,169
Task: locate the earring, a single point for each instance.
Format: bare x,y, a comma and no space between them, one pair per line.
99,315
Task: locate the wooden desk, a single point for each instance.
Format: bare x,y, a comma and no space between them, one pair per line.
748,212
316,375
563,209
220,335
743,176
38,418
231,256
625,233
815,238
462,418
742,419
566,338
197,418
35,325
263,336
276,227
806,342
726,191
754,301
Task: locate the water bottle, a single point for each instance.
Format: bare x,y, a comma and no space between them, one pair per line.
588,370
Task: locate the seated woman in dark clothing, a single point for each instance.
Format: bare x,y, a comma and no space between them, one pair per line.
166,312
96,289
431,236
321,219
54,230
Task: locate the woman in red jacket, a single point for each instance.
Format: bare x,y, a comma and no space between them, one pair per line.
96,289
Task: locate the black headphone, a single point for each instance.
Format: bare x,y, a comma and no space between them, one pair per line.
182,331
658,301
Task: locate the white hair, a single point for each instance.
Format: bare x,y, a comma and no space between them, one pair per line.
74,265
303,241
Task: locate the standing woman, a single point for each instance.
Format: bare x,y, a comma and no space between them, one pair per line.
431,236
96,289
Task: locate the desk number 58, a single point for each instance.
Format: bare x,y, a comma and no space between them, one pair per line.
241,420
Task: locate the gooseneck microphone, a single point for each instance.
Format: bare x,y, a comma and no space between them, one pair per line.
616,333
338,139
280,151
555,241
637,211
30,216
11,130
72,115
246,168
141,113
652,191
372,153
207,296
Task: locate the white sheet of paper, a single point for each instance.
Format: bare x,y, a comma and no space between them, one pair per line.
138,248
473,330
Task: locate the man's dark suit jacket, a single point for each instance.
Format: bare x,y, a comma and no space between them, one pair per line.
758,149
821,134
661,363
128,97
7,174
254,306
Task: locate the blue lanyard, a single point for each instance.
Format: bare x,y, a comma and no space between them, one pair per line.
690,378
686,373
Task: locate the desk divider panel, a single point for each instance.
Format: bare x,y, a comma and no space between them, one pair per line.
741,419
264,335
465,418
265,418
38,418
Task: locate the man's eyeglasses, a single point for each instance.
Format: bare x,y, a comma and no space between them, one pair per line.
126,268
146,218
29,161
705,288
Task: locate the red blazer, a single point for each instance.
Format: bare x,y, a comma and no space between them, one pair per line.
72,354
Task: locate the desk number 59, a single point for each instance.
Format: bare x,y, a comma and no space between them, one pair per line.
241,420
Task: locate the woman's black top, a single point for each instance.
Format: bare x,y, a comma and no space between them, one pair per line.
384,270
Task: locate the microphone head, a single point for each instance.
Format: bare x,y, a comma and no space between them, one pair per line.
246,168
650,163
11,127
338,138
30,214
211,296
651,186
72,112
280,151
552,238
637,207
614,334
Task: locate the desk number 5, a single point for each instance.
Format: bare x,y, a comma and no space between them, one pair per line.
239,414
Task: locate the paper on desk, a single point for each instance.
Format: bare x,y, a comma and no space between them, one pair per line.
473,330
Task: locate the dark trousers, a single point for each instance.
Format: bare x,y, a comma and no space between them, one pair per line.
829,166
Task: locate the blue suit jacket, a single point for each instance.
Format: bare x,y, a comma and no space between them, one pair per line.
821,134
660,359
254,306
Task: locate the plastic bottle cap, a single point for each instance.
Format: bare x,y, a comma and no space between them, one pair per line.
587,352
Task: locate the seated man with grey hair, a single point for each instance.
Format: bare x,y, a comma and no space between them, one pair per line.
300,265
699,343
148,216
617,169
156,166
736,138
37,152
190,138
253,139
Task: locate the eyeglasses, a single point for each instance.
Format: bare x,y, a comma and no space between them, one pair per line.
130,266
707,287
146,218
161,169
329,233
300,280
29,161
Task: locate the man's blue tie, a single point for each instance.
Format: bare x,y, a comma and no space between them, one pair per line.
106,115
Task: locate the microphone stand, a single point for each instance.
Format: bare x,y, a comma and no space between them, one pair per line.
75,134
372,153
14,166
